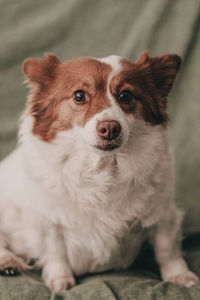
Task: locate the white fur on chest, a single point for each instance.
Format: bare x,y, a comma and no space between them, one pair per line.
102,224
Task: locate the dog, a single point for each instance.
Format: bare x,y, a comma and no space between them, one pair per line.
92,176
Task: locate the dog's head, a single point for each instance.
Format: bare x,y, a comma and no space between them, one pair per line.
100,100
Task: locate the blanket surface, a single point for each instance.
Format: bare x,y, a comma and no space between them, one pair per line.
74,28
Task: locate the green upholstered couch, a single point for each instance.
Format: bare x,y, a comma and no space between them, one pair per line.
72,28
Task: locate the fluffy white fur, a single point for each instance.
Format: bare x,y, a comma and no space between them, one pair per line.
75,209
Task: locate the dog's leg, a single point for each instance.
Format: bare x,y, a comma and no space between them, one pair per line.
56,271
57,275
165,239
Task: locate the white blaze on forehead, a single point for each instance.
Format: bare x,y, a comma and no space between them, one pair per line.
114,62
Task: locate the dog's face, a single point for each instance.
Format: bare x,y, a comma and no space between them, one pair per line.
101,100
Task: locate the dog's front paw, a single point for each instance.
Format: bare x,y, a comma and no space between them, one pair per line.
11,264
58,275
186,279
62,283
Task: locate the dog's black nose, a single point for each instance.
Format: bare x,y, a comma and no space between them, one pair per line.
108,130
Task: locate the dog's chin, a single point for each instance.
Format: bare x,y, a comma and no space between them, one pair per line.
107,147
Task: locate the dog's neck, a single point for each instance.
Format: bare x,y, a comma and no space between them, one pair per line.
73,162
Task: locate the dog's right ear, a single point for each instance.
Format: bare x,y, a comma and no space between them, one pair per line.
40,72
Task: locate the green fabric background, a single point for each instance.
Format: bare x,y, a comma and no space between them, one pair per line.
72,28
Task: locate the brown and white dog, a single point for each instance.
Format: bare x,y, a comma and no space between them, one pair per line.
92,176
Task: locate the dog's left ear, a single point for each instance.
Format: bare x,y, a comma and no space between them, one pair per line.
40,72
163,68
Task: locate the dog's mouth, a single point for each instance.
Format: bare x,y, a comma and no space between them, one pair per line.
108,146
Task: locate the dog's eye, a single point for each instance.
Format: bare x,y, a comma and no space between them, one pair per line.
80,96
125,97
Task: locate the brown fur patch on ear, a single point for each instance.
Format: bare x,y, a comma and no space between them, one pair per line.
40,71
159,74
164,69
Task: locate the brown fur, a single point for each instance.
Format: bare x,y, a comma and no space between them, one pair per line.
53,86
150,81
